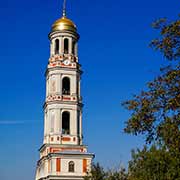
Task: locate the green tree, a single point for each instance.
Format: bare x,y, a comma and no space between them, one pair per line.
120,174
169,41
155,113
153,164
98,173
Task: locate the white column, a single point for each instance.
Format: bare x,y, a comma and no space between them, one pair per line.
53,166
46,168
79,84
56,125
60,84
75,122
48,122
76,49
73,84
62,46
52,84
71,122
49,84
59,45
60,121
80,125
47,87
51,48
52,121
56,83
70,45
45,123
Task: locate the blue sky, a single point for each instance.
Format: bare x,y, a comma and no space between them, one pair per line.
115,58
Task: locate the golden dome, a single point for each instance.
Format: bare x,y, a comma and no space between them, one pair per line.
64,24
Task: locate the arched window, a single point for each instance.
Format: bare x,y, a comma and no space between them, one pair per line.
66,86
57,46
66,46
71,166
66,122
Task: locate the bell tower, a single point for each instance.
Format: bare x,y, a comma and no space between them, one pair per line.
63,155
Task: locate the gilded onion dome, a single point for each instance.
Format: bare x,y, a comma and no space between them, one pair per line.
64,24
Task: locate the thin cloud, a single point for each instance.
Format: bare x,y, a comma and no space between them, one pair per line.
16,122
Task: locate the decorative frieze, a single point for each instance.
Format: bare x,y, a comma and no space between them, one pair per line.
63,57
57,97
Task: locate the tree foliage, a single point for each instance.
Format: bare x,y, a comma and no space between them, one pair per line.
156,111
169,41
154,164
98,173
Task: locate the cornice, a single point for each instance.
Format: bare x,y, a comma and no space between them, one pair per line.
79,71
64,32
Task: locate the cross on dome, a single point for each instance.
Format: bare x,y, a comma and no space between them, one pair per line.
64,8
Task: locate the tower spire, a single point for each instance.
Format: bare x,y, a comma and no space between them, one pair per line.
64,8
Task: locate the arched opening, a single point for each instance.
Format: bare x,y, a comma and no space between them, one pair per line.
66,46
66,86
71,166
66,122
57,46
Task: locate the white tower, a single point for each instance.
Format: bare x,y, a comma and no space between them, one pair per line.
63,155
